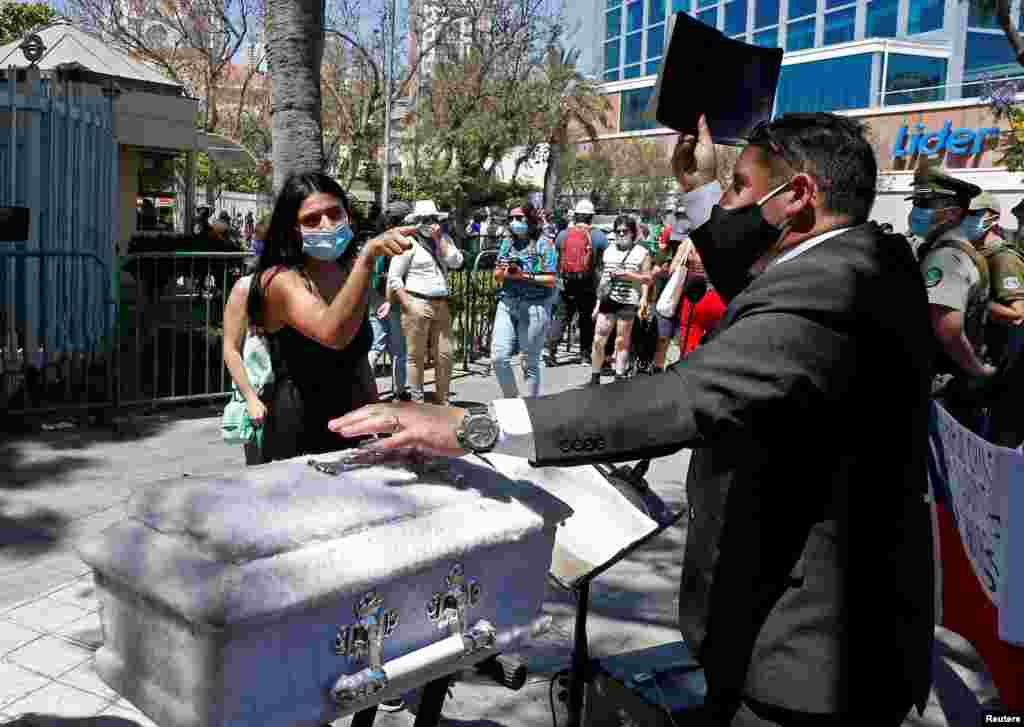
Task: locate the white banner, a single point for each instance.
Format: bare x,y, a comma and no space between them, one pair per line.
986,486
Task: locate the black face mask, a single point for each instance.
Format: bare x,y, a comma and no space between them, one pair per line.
731,241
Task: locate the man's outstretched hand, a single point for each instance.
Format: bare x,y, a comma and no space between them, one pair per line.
693,161
425,428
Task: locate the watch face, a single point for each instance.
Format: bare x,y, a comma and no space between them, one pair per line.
481,432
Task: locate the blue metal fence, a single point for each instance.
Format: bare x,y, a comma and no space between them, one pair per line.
58,158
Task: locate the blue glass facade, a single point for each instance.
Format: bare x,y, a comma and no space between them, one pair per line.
908,78
825,85
925,16
839,26
636,33
766,12
882,19
634,105
800,35
735,17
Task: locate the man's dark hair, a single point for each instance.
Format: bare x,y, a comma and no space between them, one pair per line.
830,148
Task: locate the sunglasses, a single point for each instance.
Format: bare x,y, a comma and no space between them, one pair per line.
620,230
334,215
429,220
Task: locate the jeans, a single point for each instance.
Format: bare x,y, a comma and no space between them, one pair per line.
387,335
396,346
381,328
428,321
519,324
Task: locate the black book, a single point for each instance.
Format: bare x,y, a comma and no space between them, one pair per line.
731,82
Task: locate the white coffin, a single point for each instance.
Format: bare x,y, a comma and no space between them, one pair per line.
236,600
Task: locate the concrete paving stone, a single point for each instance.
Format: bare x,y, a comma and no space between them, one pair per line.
13,636
59,700
65,561
46,614
16,682
84,677
86,631
49,655
81,593
21,587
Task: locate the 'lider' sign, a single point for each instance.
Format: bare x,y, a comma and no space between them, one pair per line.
955,141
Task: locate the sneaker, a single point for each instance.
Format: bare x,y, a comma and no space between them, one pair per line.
392,705
595,380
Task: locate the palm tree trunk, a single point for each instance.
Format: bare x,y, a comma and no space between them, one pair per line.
551,180
294,51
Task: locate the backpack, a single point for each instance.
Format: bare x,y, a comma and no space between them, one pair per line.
577,252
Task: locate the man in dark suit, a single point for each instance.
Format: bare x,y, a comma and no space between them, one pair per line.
807,584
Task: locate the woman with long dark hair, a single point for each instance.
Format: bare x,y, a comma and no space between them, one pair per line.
309,294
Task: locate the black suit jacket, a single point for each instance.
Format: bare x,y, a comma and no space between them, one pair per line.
809,411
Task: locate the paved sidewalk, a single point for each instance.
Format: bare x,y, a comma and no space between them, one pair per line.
57,487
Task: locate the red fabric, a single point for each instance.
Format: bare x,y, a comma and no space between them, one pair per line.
706,315
967,611
665,235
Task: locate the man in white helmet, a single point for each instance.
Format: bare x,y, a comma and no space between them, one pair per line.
580,247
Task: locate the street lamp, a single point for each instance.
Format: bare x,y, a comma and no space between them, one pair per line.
389,70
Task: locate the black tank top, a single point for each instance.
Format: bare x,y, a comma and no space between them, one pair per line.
327,378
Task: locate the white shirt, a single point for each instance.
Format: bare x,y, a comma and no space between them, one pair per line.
512,415
418,272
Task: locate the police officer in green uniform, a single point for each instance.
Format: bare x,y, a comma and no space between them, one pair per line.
956,276
1005,333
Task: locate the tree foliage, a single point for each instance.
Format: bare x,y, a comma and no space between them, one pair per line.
18,19
486,97
358,60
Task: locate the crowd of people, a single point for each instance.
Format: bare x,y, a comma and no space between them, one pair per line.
557,271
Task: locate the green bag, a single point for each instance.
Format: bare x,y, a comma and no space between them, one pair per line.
236,427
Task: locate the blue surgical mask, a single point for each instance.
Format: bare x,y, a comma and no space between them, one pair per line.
921,221
518,227
329,245
973,228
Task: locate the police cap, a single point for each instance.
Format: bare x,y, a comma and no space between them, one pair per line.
929,180
986,201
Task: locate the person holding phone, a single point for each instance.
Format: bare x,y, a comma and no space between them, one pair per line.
526,273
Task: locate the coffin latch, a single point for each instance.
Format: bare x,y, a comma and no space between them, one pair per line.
364,639
447,609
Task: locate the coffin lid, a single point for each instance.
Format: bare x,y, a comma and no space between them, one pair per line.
227,548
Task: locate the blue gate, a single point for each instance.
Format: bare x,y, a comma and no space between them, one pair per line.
58,158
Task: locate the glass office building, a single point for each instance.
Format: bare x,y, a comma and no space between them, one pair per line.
839,54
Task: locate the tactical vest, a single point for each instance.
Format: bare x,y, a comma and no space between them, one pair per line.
976,314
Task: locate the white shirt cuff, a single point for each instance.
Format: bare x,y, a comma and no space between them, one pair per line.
700,201
516,427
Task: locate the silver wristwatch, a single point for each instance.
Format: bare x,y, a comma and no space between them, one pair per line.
479,431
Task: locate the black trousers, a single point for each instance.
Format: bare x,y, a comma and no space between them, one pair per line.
752,713
580,296
1007,407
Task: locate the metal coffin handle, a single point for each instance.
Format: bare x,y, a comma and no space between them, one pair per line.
363,685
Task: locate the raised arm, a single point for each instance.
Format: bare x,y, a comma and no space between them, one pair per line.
334,325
